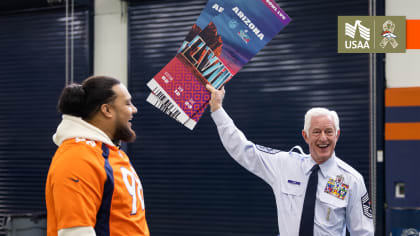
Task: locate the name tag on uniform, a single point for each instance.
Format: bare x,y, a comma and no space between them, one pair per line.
337,187
293,182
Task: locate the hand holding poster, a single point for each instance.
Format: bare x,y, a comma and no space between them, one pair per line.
214,55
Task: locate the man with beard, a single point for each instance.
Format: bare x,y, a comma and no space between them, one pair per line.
316,194
91,188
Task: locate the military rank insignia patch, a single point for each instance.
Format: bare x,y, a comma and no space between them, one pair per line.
337,187
367,209
267,149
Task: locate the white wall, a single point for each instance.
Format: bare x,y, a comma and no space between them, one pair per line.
110,44
403,69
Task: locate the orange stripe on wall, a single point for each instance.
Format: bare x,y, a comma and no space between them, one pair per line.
413,34
402,131
399,97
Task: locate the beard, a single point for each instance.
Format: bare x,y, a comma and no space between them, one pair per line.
124,133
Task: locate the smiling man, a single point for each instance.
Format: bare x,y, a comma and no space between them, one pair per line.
316,194
91,188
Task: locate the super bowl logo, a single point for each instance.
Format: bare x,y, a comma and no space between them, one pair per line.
244,36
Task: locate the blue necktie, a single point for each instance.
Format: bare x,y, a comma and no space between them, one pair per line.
308,212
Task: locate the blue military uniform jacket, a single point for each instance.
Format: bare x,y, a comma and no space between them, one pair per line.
341,200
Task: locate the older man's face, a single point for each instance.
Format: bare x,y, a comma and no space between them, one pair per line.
322,138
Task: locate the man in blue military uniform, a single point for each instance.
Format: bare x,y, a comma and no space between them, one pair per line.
316,194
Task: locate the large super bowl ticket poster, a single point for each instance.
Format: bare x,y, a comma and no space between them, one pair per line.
212,8
214,55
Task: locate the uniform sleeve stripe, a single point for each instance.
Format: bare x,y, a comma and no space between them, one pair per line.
266,149
366,208
102,218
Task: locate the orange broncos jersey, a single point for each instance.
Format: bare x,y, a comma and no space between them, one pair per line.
93,184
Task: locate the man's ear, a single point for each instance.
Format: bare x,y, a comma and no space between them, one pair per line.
338,134
106,110
305,136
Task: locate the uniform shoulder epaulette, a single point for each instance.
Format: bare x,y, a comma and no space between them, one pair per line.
346,167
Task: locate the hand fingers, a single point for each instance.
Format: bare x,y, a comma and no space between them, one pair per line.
210,88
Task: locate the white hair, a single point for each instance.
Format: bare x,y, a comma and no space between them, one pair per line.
320,111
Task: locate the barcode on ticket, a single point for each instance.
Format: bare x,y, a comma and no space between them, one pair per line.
163,103
161,100
155,101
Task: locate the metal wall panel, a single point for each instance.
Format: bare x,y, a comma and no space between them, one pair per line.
32,75
402,222
191,185
402,147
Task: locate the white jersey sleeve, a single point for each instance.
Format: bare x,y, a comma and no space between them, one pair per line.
259,160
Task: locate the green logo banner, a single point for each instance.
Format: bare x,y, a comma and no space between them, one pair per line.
371,34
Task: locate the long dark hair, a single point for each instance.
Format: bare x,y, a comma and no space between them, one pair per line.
84,100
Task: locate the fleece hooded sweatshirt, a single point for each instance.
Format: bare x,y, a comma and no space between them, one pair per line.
92,185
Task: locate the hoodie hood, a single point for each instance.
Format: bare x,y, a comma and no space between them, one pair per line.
76,127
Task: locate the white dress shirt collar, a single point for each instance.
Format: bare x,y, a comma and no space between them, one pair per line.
328,168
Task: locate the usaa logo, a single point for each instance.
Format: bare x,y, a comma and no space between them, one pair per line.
364,35
371,34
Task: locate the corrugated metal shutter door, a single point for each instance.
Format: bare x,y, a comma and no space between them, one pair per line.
32,75
192,186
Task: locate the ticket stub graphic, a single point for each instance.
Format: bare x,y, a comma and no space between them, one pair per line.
213,56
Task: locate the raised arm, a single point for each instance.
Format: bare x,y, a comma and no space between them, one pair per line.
261,161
